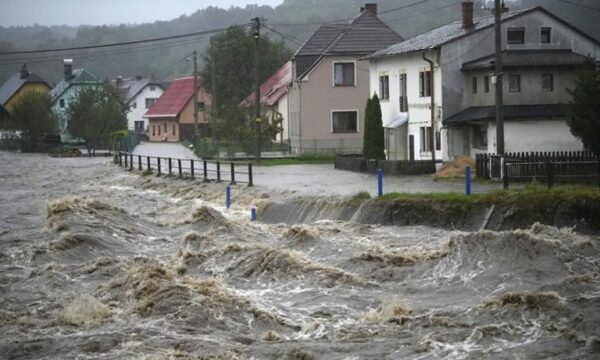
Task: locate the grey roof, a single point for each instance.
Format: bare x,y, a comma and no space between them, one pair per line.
14,83
362,36
531,58
131,87
511,112
80,76
442,35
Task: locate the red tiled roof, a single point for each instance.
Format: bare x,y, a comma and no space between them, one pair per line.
174,99
274,88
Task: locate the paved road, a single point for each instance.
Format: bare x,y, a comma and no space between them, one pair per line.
309,179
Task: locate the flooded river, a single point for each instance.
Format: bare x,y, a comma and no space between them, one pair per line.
100,263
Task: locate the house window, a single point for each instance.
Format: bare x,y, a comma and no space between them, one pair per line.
152,88
153,130
344,121
514,83
165,125
173,129
403,92
384,87
515,35
486,84
139,126
158,130
480,136
474,84
547,82
425,138
61,103
134,105
545,35
343,74
425,83
438,140
150,102
201,106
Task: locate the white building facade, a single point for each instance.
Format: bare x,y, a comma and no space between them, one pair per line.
139,94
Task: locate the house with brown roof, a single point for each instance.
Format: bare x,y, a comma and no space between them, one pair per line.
450,69
171,117
274,100
330,84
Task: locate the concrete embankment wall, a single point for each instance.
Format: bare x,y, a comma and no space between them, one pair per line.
581,215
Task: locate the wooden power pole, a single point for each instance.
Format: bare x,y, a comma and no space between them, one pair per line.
196,126
256,30
498,76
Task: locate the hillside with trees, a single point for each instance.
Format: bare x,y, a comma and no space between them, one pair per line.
293,22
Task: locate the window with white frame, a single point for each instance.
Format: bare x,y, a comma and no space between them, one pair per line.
343,74
545,35
474,84
547,82
425,138
403,93
480,136
514,83
515,35
344,121
425,83
139,125
486,83
384,87
150,102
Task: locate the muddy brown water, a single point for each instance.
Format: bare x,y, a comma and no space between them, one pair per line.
100,263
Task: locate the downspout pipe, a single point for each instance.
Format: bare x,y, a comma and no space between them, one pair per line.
432,89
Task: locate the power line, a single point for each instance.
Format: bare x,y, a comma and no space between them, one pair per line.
206,32
285,36
580,5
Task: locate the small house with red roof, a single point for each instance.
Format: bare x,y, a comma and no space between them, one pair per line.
171,118
274,99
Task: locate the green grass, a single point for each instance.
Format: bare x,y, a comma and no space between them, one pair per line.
309,158
360,197
534,192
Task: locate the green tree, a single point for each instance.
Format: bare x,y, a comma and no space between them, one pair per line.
95,114
230,58
33,117
373,140
584,119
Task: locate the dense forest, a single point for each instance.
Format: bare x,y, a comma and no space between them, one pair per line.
291,22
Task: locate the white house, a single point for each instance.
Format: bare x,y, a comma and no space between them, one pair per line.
542,56
139,94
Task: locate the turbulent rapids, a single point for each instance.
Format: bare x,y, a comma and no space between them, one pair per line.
100,263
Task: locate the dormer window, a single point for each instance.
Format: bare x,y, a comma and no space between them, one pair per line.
515,35
545,35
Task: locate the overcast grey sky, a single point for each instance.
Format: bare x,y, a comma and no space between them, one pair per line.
98,12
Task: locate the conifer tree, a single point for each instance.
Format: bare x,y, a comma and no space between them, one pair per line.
374,141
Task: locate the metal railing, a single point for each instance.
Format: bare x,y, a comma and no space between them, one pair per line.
580,172
234,172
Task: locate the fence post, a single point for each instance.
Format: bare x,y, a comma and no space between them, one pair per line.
250,179
140,162
205,170
379,182
505,175
228,197
131,162
126,161
179,167
120,159
170,167
468,180
148,163
192,168
218,171
232,173
550,174
158,160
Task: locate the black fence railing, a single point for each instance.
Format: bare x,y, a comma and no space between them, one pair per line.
390,167
549,167
234,172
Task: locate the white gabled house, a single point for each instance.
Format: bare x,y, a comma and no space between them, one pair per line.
139,94
542,56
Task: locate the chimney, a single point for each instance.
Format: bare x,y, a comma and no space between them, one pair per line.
68,69
372,7
24,72
467,14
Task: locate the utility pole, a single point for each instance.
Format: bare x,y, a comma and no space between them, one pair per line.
256,31
196,126
213,76
498,75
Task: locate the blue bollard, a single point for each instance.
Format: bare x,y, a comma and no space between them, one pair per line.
228,197
380,182
468,180
253,214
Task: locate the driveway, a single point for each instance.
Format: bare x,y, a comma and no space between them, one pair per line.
164,149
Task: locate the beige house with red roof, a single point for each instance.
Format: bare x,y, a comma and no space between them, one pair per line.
171,118
274,99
